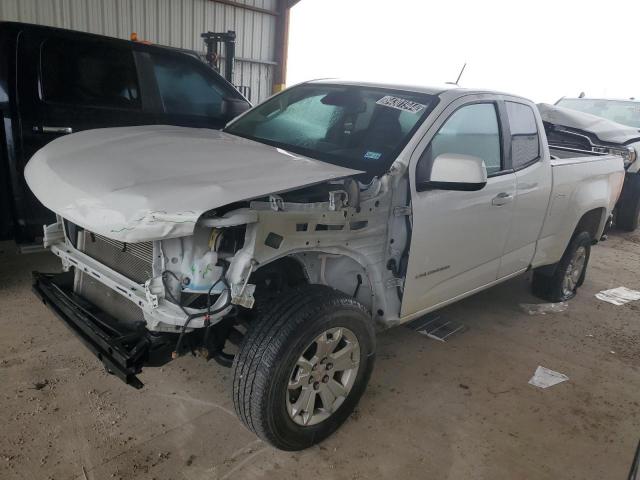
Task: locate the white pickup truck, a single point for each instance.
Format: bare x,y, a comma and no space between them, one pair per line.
276,245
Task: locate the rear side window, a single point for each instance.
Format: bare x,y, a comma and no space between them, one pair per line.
88,73
525,140
185,89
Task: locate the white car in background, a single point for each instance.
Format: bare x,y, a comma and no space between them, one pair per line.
605,126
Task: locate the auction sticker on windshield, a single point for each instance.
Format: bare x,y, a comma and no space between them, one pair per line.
400,104
372,155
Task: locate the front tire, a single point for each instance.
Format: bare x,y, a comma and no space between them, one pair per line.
568,274
303,366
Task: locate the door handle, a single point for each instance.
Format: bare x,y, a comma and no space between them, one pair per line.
47,129
501,199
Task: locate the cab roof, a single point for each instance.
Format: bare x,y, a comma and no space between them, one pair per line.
438,90
632,99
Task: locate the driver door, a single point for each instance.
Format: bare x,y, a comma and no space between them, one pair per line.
458,237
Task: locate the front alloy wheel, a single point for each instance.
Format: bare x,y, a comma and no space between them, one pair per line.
323,376
303,366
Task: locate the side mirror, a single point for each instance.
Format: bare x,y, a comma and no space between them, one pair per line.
454,171
232,107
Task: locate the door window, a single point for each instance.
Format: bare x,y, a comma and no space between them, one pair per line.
471,130
186,90
525,141
88,73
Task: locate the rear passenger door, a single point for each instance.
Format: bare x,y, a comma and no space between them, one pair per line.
68,82
533,185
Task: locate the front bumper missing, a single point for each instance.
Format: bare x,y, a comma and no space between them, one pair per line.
160,315
123,350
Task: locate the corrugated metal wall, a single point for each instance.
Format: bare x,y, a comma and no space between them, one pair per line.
177,23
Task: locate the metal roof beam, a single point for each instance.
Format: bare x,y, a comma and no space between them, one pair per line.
244,6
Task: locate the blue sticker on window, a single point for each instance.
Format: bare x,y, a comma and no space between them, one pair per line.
372,155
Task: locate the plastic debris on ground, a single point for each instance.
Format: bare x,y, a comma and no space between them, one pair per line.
437,327
544,308
545,378
618,296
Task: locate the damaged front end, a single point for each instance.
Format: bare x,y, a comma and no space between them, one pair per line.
126,305
144,303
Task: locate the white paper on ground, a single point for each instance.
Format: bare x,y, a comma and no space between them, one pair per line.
545,378
618,296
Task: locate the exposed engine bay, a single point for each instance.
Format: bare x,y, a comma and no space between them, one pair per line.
334,233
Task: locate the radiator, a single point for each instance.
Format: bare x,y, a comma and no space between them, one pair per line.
133,260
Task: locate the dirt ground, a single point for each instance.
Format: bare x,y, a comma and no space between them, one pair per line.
456,410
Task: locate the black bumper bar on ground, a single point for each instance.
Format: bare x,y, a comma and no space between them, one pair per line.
122,350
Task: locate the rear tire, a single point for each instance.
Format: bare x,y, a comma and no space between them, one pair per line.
289,366
628,215
569,273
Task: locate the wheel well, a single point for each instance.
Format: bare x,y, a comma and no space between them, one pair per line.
280,274
590,223
338,271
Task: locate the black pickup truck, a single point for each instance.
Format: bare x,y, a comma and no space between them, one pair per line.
54,82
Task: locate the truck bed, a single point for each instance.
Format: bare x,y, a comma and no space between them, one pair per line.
582,182
559,155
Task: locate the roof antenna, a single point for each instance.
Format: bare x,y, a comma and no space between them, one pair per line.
459,76
581,95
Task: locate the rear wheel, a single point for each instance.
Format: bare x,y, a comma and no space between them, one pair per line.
303,366
568,274
628,215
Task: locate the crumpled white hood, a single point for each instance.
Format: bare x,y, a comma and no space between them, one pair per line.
604,129
146,183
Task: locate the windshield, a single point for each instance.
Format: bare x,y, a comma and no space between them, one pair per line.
352,126
619,111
